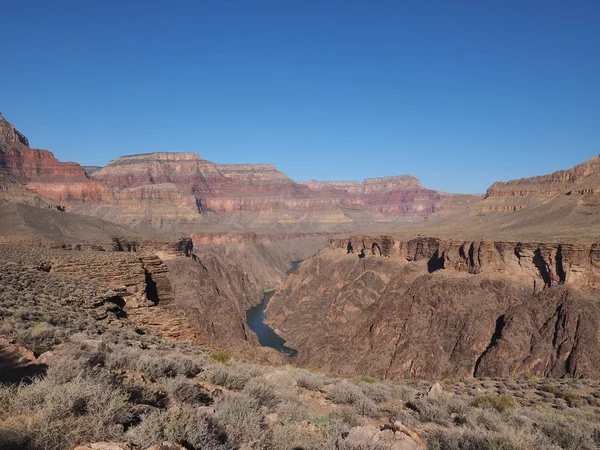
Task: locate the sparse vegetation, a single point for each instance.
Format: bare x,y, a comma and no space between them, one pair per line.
220,356
109,383
499,403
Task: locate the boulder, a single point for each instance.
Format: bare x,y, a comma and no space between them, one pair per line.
436,391
107,446
386,438
46,358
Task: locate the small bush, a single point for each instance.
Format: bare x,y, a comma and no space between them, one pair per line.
437,410
368,379
293,437
179,389
312,381
239,415
350,394
379,393
220,356
500,404
231,379
63,415
262,391
184,425
468,440
572,399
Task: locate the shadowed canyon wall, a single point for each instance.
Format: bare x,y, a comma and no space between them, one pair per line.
434,308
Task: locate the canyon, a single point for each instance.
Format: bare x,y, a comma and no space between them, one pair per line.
435,308
451,285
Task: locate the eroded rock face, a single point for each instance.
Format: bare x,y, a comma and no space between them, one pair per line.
8,133
258,195
227,276
583,179
434,308
63,182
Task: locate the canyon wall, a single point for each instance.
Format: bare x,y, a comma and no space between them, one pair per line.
525,192
62,182
259,196
434,308
182,191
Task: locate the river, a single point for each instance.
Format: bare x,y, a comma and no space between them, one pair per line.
255,317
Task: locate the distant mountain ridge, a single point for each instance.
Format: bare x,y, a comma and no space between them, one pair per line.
182,191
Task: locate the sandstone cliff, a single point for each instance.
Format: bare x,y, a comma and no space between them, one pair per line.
518,194
62,182
436,308
259,196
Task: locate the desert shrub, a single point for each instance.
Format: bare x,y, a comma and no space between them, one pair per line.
229,377
437,410
179,389
157,367
379,393
441,439
292,437
220,356
240,416
40,338
262,391
184,425
63,415
368,379
348,393
499,403
552,389
292,411
344,416
567,434
572,399
312,381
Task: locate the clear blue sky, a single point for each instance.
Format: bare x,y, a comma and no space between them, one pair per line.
457,93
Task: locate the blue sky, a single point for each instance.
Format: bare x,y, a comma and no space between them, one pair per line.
457,93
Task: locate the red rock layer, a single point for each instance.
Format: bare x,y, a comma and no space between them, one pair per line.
260,195
63,182
59,181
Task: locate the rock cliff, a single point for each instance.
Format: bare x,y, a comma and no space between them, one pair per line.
8,133
435,308
259,196
583,179
63,182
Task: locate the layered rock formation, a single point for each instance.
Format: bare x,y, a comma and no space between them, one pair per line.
259,196
182,191
583,179
41,171
432,308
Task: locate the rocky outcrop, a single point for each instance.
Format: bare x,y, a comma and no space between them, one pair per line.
545,264
8,133
434,308
583,179
63,182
